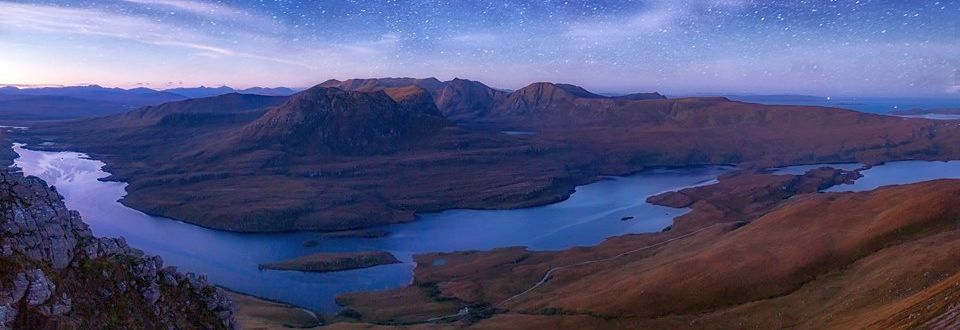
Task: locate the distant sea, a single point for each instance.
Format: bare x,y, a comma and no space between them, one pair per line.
880,105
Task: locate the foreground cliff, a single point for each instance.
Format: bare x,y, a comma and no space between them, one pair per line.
54,274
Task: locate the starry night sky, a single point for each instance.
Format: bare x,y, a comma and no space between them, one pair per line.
865,48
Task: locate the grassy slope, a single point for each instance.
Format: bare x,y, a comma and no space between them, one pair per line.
813,261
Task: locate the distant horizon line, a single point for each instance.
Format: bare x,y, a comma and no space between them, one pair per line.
955,94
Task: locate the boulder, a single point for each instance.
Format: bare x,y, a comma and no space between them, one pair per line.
40,287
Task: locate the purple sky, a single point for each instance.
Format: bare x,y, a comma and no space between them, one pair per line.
831,48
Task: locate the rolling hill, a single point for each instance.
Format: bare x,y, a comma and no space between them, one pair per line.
56,103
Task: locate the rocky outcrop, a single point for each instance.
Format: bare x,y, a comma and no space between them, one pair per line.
55,274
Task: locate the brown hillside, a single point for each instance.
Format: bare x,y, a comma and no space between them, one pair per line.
873,259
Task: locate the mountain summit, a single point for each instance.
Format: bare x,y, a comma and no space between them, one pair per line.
331,120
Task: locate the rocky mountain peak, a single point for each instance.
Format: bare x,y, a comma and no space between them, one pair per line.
415,99
332,120
542,97
375,84
462,99
547,89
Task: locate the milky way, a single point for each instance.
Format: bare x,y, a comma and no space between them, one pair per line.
817,47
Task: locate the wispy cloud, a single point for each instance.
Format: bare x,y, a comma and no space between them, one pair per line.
94,22
196,7
214,11
97,23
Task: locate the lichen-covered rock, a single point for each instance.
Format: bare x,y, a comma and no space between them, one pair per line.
7,315
36,224
152,293
55,274
197,282
169,276
40,287
15,291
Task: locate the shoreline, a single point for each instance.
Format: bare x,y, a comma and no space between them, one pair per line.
540,201
193,263
271,312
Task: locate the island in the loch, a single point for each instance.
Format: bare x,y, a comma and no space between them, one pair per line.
332,262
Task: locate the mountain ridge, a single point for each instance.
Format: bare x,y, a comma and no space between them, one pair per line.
324,119
204,91
351,168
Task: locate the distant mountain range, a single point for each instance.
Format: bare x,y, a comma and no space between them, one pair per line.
366,152
75,102
471,102
55,103
203,91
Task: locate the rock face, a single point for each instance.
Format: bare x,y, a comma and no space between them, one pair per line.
55,274
36,226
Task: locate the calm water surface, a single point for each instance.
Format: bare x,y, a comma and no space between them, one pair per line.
880,105
905,172
590,215
935,116
801,169
888,174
